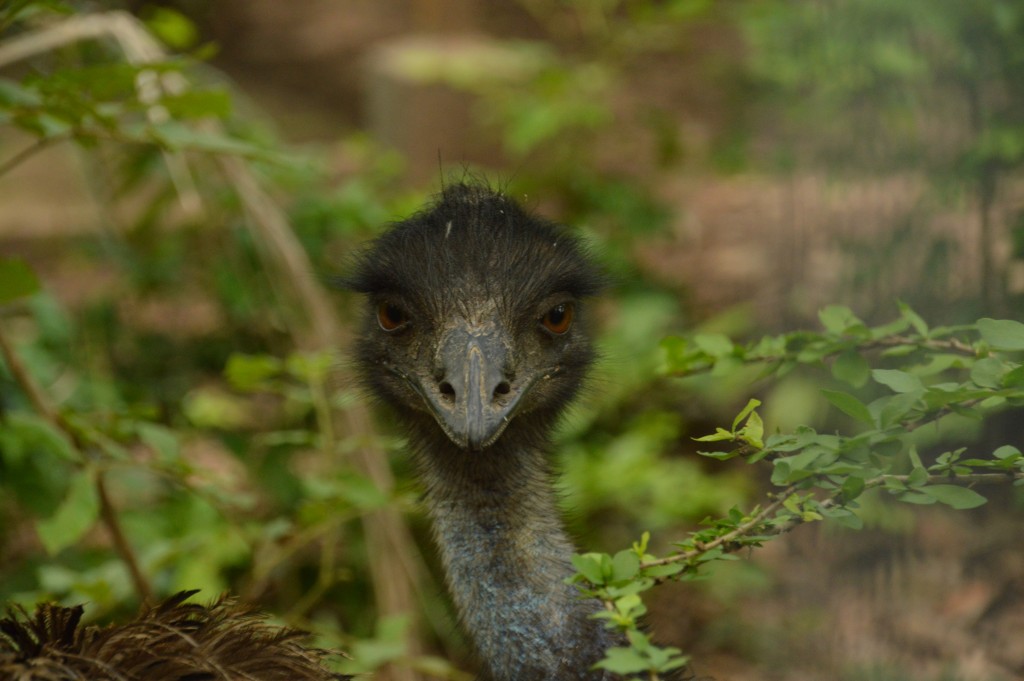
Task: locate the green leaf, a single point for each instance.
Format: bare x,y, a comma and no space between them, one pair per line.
311,367
623,661
849,405
915,458
714,344
17,280
24,432
590,566
362,493
1006,451
719,434
890,410
215,408
844,517
850,367
753,432
852,488
174,28
987,372
1003,334
938,364
899,351
640,547
74,516
955,496
917,497
666,570
799,466
625,566
987,403
838,319
630,606
198,104
675,351
164,441
915,319
1014,378
387,645
917,478
897,381
250,372
720,456
751,406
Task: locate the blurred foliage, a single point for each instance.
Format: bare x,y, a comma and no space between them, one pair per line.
557,104
208,445
876,85
217,439
926,86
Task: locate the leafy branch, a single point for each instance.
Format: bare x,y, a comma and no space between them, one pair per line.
922,376
842,344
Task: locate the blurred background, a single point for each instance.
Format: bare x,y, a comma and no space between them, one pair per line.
737,165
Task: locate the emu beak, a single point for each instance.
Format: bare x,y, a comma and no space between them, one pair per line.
474,399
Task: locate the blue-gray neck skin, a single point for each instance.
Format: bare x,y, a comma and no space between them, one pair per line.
506,556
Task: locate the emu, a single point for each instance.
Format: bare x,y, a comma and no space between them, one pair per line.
475,335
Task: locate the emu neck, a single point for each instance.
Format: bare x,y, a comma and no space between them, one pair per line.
506,556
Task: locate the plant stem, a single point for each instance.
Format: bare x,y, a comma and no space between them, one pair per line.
756,523
28,152
113,524
41,404
28,385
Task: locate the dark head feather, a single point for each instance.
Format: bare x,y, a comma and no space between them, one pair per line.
472,236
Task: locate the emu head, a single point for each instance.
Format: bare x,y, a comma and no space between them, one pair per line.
474,318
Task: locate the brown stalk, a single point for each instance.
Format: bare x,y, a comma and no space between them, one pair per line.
108,514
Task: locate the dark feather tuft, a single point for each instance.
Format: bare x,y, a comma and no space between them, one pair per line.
173,641
471,231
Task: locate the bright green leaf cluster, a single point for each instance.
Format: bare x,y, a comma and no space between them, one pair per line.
642,657
618,581
750,434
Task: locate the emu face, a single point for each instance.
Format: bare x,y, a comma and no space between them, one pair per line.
474,316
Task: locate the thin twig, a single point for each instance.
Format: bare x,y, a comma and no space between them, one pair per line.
726,541
938,479
741,530
833,500
28,385
108,514
28,152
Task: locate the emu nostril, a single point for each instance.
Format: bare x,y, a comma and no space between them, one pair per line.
502,388
447,390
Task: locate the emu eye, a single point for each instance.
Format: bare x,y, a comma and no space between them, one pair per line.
558,319
390,316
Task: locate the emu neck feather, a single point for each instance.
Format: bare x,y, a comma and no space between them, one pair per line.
507,557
